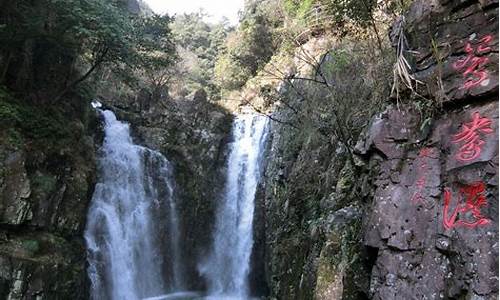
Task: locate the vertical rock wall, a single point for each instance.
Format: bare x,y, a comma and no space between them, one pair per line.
47,174
434,214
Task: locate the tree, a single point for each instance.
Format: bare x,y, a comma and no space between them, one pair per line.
101,28
70,39
251,46
200,43
155,51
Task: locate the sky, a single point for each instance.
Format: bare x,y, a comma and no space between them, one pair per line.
216,9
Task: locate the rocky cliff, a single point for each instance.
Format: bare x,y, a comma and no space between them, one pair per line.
47,174
433,219
413,214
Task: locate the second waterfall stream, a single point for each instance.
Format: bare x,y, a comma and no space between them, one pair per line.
228,265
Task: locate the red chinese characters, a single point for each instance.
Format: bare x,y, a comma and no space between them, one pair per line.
417,196
470,138
420,183
468,213
473,65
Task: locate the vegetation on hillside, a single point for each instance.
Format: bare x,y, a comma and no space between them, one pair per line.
251,46
198,43
329,54
270,31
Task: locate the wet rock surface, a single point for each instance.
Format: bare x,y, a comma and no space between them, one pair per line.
16,190
41,265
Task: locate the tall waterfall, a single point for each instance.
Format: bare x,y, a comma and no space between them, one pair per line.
132,230
228,265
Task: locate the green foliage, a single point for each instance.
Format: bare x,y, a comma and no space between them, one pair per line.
199,45
337,62
9,113
67,27
57,44
154,41
193,33
48,123
14,138
230,74
251,46
298,8
155,50
103,30
323,13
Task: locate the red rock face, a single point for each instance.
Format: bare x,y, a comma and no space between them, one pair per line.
434,216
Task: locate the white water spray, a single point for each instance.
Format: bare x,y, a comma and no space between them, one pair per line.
132,230
228,266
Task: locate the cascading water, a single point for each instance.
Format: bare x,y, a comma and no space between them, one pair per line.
132,230
228,266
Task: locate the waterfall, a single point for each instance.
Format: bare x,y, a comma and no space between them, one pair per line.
132,232
227,267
